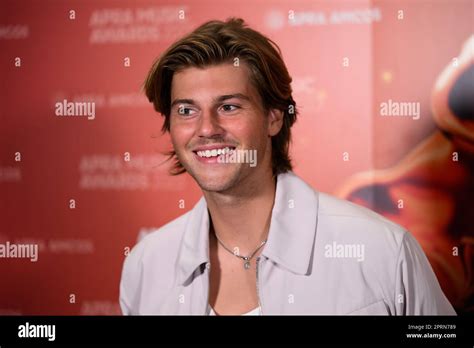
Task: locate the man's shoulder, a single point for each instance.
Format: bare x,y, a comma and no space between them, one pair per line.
357,221
170,229
341,219
163,240
156,251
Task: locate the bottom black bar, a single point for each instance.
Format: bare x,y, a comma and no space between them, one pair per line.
169,330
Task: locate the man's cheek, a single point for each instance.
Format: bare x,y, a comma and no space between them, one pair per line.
178,137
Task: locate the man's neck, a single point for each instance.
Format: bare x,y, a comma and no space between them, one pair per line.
243,219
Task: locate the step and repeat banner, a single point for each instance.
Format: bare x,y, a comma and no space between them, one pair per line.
385,94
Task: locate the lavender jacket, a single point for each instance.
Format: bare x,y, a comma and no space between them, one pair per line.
324,256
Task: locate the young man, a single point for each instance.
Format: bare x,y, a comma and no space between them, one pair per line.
260,241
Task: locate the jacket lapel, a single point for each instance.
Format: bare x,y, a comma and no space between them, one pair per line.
194,249
293,224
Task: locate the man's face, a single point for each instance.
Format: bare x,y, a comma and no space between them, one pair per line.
215,108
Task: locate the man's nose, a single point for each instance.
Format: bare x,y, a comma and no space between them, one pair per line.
209,124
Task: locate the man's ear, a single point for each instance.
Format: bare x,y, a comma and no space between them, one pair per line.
275,121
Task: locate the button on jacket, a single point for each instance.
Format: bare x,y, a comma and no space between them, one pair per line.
323,256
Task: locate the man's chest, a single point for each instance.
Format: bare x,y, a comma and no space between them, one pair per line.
233,288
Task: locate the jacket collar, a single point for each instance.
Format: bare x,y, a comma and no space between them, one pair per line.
194,249
293,224
290,239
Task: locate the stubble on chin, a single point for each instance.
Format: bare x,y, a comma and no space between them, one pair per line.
221,183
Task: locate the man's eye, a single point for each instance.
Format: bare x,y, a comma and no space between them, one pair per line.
229,107
182,110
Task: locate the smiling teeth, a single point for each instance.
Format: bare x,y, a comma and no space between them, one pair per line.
214,152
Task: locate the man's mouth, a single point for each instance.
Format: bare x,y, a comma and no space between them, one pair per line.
214,152
210,154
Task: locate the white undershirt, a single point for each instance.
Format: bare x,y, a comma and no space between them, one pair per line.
255,311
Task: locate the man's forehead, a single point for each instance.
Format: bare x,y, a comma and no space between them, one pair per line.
217,80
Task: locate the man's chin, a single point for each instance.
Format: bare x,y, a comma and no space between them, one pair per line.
216,179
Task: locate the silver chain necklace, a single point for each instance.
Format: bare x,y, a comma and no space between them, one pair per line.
245,258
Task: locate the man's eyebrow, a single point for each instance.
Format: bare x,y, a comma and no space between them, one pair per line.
217,99
231,96
182,101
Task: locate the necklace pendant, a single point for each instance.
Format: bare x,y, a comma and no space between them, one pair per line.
247,265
